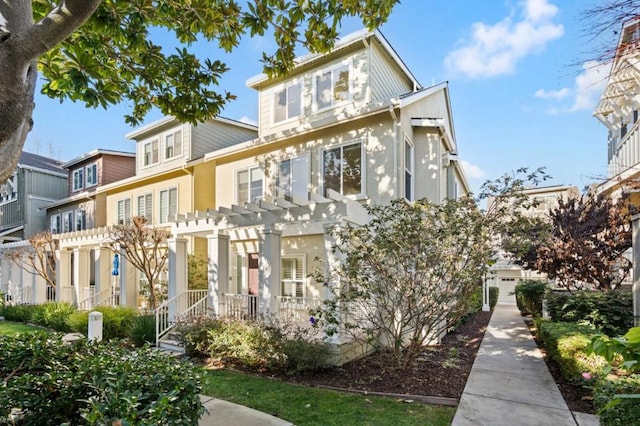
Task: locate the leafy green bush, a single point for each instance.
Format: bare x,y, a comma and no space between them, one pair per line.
567,344
117,321
245,343
143,330
194,334
52,383
19,313
616,410
54,315
529,295
610,312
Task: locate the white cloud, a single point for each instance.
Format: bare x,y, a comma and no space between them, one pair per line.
472,171
495,49
248,120
553,94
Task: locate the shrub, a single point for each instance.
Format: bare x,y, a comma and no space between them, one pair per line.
195,334
610,312
529,295
143,330
617,411
567,344
117,321
19,313
54,315
85,383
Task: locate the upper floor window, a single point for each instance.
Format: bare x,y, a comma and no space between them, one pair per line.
287,102
124,211
81,220
293,177
92,174
332,86
292,276
408,170
623,130
78,179
9,189
151,152
145,207
249,185
55,224
173,145
67,221
342,169
168,204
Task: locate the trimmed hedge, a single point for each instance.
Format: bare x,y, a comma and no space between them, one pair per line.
620,411
117,321
48,382
529,294
566,343
610,312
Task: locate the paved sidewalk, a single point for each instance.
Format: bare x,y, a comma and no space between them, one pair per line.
510,384
224,413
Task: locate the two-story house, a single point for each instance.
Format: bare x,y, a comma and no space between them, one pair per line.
166,182
343,129
36,182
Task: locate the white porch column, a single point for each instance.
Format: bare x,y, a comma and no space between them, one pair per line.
103,267
39,290
332,265
268,270
128,285
636,269
81,272
64,291
177,272
218,269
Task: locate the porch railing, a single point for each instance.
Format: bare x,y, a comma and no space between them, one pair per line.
297,308
186,304
102,298
20,297
240,307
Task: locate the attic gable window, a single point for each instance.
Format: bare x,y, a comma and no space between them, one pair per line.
332,86
287,102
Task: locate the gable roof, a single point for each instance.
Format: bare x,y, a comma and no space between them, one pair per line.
32,161
96,153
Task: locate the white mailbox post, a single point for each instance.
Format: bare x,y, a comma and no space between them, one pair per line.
95,326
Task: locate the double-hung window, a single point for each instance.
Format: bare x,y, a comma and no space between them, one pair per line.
151,152
287,102
173,144
55,224
168,204
293,177
145,207
292,276
332,86
408,170
249,185
9,189
81,220
67,221
124,211
92,174
342,169
78,179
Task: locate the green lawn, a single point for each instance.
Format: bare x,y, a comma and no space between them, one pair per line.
8,327
303,405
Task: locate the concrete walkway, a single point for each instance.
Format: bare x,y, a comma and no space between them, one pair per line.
224,413
509,383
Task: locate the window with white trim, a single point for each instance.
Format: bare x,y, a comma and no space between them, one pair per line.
9,189
124,211
55,224
168,204
342,169
67,221
287,102
81,220
78,179
92,174
151,152
408,170
249,185
173,144
332,86
292,271
293,177
145,207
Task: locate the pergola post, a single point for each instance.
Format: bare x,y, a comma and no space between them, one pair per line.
636,269
218,269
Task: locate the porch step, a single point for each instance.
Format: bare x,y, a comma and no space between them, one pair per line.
171,345
174,335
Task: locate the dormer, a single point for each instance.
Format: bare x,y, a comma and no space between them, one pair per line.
360,72
98,167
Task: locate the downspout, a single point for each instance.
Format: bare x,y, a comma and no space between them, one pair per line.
395,102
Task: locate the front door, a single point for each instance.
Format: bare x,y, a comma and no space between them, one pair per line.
253,284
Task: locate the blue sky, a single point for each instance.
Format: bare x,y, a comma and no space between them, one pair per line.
518,97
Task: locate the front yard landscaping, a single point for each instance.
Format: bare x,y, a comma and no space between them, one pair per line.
11,328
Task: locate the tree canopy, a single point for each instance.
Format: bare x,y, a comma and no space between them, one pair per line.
112,58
